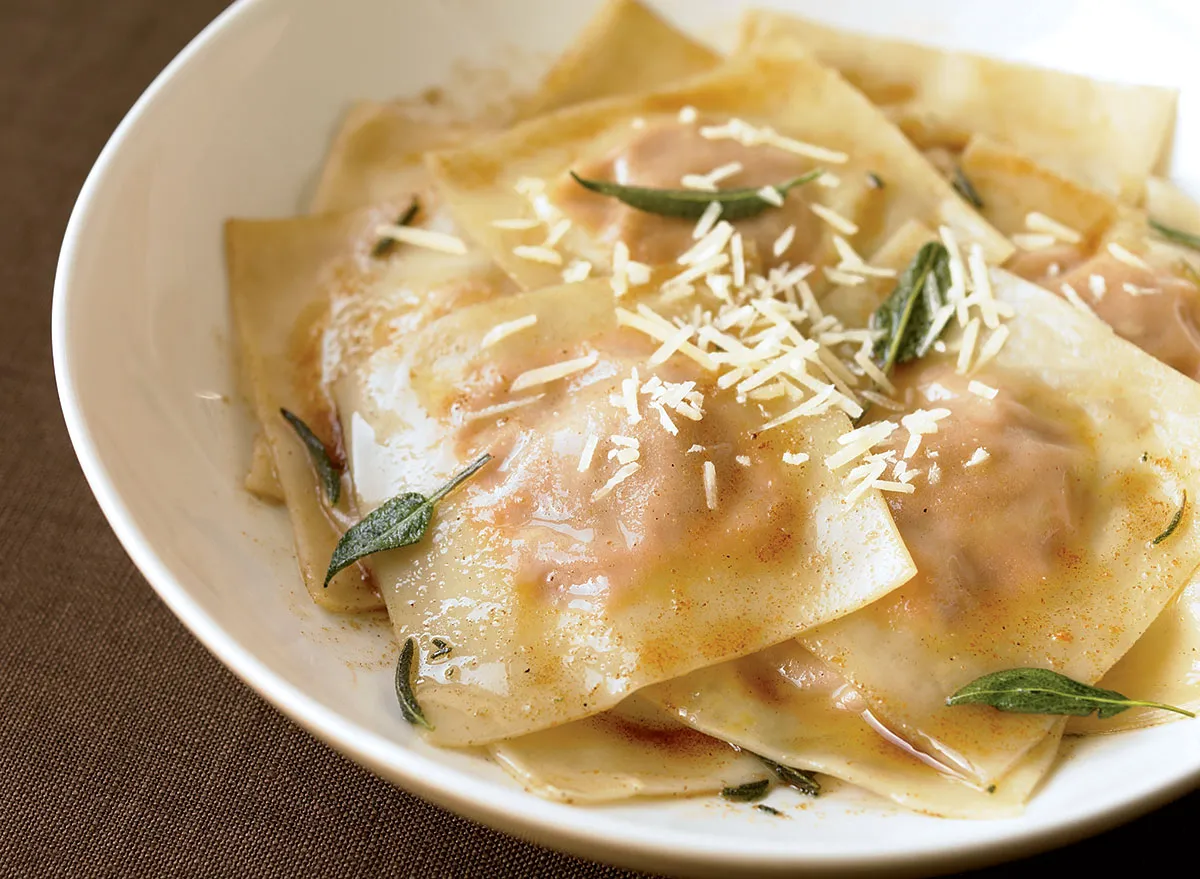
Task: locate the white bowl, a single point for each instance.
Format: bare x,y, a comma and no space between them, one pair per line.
237,126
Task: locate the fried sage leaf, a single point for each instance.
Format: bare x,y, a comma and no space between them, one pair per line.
690,204
750,792
330,473
907,317
398,522
1187,239
1174,523
963,186
386,245
1041,691
404,692
802,780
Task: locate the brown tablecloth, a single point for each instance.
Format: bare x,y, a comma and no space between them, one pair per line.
125,749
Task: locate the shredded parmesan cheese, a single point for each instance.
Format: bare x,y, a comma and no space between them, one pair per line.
620,476
834,219
967,351
504,330
771,196
1072,296
709,246
538,254
795,458
688,115
426,238
577,270
1036,221
992,346
738,255
589,450
546,374
1126,256
707,220
899,487
657,331
981,281
556,233
784,241
1097,286
500,408
977,457
710,485
919,423
620,269
748,135
863,359
846,279
979,389
1033,240
517,223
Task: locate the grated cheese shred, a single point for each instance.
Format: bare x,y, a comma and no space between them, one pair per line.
546,374
506,329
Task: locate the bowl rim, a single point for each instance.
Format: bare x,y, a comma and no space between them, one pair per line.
578,830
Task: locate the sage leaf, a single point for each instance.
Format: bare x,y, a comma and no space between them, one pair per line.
749,792
1041,691
690,204
770,811
800,779
1187,239
874,180
963,186
398,522
330,473
442,648
1174,523
907,316
404,692
386,245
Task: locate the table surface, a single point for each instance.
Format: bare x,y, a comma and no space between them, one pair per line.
125,749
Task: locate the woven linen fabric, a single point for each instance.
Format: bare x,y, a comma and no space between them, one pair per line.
125,748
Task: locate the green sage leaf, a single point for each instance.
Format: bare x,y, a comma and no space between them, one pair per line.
1174,523
874,180
689,204
386,245
1041,691
749,792
1187,239
800,779
907,315
404,692
963,186
330,473
398,522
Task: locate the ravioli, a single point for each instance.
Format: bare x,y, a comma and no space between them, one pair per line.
682,552
564,590
632,750
1051,483
1099,253
800,115
790,707
287,280
1108,135
377,152
626,48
